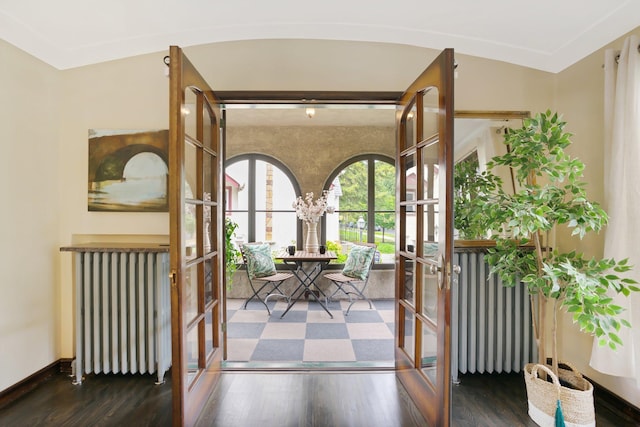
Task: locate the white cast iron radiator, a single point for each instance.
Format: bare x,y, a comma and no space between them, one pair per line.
491,324
123,311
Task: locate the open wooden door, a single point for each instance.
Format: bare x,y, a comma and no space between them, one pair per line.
424,243
196,224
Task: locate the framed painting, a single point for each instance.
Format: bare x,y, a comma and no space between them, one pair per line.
128,170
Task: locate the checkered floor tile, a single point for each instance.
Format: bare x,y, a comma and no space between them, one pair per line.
308,334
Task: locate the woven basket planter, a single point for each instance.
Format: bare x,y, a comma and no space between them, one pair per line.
542,396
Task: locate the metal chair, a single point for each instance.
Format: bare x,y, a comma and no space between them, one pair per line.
354,284
270,283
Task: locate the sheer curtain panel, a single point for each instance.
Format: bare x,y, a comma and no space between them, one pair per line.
622,196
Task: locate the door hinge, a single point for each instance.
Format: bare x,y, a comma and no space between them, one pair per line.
173,278
224,327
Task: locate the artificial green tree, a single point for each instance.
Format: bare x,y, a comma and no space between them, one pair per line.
552,193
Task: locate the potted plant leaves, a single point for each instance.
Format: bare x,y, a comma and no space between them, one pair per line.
470,191
232,254
552,194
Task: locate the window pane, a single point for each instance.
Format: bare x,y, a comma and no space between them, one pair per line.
192,351
209,333
209,165
429,359
385,236
411,128
191,284
409,280
236,176
241,235
411,187
353,183
354,201
209,272
430,171
430,113
283,229
430,225
190,162
332,220
274,190
209,227
385,186
430,292
189,113
353,227
189,231
260,202
411,229
409,333
209,126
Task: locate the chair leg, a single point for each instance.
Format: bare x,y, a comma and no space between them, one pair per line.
256,295
353,301
349,294
276,292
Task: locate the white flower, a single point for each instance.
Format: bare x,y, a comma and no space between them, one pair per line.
309,210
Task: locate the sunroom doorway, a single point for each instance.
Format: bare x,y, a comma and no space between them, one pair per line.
276,152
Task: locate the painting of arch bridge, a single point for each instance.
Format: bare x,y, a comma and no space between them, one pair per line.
128,170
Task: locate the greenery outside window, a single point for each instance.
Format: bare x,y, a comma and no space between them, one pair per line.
364,194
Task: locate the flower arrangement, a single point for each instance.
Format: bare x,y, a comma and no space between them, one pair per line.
309,210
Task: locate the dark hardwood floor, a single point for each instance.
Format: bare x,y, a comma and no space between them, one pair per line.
501,400
311,399
259,398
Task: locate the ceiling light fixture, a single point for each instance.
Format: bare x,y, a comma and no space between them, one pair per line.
310,111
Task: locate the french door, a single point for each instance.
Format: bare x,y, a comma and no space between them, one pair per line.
424,238
196,226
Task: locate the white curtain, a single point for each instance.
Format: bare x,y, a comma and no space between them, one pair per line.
622,197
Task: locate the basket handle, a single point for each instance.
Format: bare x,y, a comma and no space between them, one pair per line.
554,378
574,370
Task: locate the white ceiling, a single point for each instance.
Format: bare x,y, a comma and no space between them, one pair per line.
548,35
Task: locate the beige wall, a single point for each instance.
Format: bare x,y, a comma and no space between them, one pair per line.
125,94
311,154
133,94
30,215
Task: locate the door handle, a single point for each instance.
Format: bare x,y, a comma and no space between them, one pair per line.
437,269
434,269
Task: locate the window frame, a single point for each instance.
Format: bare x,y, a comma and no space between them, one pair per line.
251,211
371,211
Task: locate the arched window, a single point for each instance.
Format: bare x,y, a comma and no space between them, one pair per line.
259,195
364,191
